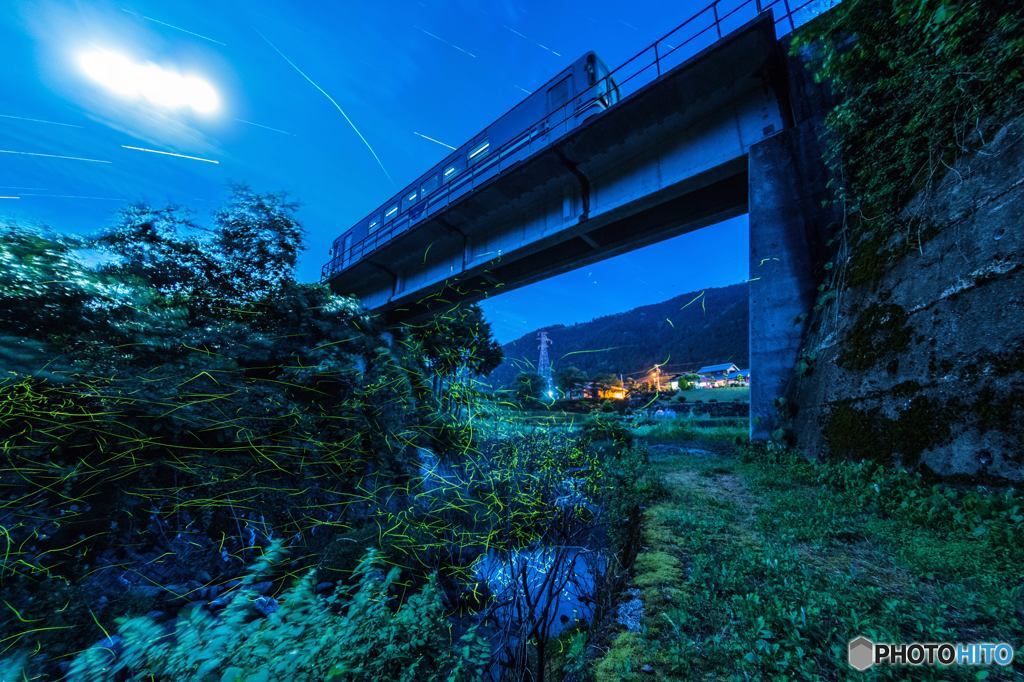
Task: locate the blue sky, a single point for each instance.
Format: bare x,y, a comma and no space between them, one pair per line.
400,71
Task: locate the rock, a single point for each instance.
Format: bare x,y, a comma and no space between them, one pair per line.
631,611
321,588
647,669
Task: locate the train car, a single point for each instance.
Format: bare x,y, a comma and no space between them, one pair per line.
581,90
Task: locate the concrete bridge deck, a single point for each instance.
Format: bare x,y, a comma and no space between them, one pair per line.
695,141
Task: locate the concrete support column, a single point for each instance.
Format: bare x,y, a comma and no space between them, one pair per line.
783,204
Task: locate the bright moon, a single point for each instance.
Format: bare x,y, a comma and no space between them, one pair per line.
135,80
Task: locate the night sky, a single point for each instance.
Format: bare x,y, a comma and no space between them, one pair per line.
334,103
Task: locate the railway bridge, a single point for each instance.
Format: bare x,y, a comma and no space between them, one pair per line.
712,121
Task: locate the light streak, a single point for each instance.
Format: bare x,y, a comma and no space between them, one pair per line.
53,156
442,40
176,28
540,45
180,156
72,196
431,139
260,125
332,101
39,120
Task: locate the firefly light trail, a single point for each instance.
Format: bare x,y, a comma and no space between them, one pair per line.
331,100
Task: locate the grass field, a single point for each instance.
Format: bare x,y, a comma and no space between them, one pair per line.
728,394
766,568
726,429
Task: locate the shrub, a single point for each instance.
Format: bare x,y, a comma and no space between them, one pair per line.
353,634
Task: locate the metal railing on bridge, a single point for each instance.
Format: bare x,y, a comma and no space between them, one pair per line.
702,30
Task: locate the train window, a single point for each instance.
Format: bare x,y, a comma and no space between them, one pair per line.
592,69
558,94
451,170
430,184
390,213
479,151
373,225
409,199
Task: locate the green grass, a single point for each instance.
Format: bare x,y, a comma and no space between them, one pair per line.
723,430
726,394
766,568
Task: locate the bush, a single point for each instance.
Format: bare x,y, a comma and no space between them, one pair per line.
353,634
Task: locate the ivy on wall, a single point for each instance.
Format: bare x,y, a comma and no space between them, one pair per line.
920,83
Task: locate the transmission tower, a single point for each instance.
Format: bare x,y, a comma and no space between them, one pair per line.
544,362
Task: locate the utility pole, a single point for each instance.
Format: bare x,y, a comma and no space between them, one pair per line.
544,363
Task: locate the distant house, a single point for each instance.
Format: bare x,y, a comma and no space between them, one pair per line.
714,376
740,377
594,390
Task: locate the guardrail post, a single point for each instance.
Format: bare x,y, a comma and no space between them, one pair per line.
657,59
718,26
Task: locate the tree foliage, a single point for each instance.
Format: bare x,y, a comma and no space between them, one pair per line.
169,390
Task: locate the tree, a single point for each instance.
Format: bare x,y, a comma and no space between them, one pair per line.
162,247
570,379
528,387
453,348
459,339
166,365
258,240
247,255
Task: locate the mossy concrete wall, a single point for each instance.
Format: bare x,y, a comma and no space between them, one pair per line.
920,362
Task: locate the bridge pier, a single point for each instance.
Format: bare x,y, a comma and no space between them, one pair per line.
784,211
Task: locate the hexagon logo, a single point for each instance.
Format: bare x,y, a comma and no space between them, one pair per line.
861,654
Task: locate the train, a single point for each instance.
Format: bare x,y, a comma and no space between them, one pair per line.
580,91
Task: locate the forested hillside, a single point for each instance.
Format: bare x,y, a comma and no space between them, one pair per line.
700,327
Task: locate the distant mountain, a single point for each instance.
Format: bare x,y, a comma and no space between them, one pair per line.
698,328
